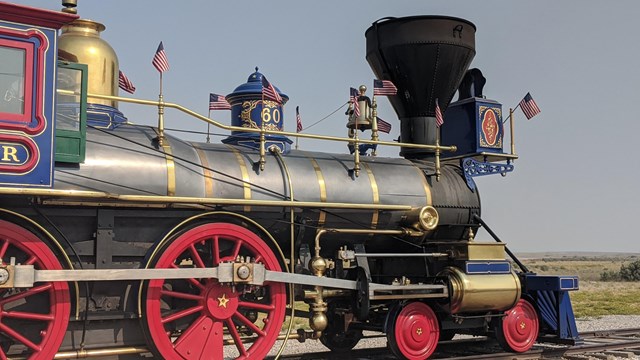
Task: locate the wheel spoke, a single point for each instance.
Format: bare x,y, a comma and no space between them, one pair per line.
180,295
28,315
236,337
24,294
3,356
256,306
14,334
249,324
181,314
196,257
258,258
3,250
31,260
215,243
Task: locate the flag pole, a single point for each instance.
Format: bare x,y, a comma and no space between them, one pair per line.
513,143
374,122
160,115
262,137
209,126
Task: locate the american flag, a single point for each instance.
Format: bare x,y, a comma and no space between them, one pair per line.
298,120
125,84
529,106
384,87
269,92
383,126
354,101
160,61
218,102
439,119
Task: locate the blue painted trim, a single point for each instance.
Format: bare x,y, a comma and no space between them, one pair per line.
473,168
487,267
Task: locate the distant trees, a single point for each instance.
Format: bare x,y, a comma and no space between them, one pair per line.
629,272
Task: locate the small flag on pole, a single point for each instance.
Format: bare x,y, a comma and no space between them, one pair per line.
270,92
439,119
218,102
383,126
298,120
529,106
125,84
384,88
354,100
160,61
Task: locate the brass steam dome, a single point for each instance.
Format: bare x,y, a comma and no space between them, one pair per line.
81,41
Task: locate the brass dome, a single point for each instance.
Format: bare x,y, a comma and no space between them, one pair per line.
81,39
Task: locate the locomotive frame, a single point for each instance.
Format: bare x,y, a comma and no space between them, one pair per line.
206,252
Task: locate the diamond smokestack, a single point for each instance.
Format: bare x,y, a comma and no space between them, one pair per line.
426,58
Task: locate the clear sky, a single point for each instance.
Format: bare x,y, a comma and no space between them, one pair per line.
575,186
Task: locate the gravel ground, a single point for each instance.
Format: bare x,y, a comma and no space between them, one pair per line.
587,324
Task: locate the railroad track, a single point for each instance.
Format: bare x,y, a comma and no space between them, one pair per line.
620,343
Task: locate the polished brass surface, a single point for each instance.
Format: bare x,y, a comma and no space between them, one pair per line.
425,185
513,142
422,219
84,353
171,166
475,250
246,181
322,216
81,41
376,195
481,293
207,173
452,148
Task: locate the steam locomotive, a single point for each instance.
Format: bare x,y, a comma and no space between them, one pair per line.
121,241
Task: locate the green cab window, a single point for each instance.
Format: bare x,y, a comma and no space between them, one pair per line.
71,112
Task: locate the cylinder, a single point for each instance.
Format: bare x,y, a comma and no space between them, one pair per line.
481,293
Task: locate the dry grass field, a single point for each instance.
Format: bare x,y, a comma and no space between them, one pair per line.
595,298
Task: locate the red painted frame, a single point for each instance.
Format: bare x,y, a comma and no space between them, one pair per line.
25,117
33,83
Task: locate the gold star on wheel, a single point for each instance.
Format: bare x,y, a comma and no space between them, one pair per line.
523,325
222,301
419,331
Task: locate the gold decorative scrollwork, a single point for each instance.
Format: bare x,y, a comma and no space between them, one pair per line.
245,114
270,115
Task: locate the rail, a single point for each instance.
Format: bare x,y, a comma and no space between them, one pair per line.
437,148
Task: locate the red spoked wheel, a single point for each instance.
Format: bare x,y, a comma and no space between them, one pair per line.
413,332
518,329
33,321
195,318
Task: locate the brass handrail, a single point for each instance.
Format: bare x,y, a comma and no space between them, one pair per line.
185,110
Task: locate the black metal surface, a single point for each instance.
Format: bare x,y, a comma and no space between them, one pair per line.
426,58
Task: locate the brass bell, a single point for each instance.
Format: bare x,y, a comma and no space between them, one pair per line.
363,120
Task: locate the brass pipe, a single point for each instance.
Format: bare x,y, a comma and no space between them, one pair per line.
374,124
263,159
82,354
452,148
513,143
322,232
81,194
